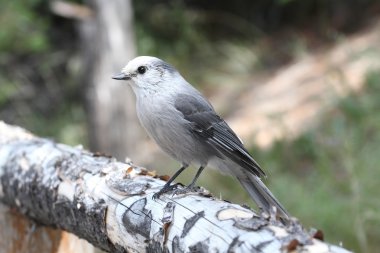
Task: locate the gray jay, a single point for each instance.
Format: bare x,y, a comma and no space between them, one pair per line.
185,125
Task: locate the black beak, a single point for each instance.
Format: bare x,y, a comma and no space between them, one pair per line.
121,76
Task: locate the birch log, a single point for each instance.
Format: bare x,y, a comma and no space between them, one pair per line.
109,203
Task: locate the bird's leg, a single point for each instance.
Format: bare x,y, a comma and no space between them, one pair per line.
190,187
167,187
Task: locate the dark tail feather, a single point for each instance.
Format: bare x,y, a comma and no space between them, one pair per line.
262,196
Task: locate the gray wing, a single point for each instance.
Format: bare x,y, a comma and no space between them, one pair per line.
212,129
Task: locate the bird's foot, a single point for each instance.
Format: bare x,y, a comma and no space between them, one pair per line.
166,189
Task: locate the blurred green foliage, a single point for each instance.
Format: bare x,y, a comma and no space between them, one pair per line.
38,90
22,29
39,51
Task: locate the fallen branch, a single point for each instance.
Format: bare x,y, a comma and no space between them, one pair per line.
109,203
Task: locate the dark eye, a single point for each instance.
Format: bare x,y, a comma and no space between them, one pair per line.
141,69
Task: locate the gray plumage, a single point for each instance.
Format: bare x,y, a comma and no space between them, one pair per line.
185,125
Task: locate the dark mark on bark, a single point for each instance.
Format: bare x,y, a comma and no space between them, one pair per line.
156,247
150,180
318,235
292,245
234,245
200,247
101,154
156,243
191,222
259,247
137,219
119,249
176,247
254,223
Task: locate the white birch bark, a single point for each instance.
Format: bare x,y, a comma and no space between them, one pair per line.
109,203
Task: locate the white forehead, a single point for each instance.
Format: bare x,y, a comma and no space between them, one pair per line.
139,61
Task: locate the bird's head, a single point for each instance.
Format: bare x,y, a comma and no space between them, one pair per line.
147,73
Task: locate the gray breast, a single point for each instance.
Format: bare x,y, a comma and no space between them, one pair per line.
171,132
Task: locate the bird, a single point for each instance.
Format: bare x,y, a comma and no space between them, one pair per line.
185,125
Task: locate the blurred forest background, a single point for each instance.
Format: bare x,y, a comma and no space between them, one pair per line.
298,80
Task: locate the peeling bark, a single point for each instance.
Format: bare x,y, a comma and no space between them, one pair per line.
110,204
